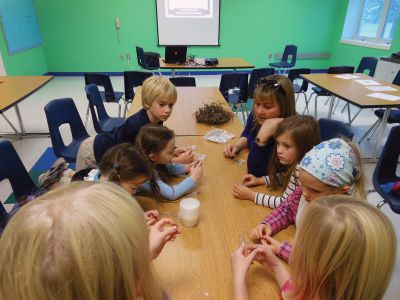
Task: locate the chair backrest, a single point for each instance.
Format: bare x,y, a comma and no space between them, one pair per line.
330,129
396,80
140,57
295,74
367,63
3,218
341,70
231,80
292,51
134,79
12,168
183,81
104,81
96,105
59,112
255,76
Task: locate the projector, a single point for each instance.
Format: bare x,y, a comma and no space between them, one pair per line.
211,61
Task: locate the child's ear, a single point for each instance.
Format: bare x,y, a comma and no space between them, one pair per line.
146,106
152,157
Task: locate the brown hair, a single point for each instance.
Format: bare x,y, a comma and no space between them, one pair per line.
304,131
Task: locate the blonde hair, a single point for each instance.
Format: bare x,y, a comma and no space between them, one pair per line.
82,241
156,87
338,251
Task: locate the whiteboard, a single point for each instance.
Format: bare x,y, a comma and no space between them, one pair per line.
188,22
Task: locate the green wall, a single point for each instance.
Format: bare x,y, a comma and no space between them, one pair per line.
80,35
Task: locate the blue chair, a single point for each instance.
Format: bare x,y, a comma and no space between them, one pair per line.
59,112
142,61
290,50
385,171
133,79
108,95
183,81
235,80
334,129
102,122
294,74
255,76
394,115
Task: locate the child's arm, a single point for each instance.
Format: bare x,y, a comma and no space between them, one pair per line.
171,192
240,266
175,169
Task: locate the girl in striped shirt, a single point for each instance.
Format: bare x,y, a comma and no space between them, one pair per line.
294,136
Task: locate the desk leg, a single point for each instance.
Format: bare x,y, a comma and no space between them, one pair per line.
21,124
331,104
172,72
381,133
11,124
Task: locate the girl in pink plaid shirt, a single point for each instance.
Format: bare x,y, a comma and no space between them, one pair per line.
330,168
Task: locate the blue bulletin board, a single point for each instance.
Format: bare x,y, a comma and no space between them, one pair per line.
19,25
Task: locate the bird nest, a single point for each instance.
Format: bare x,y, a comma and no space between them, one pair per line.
213,113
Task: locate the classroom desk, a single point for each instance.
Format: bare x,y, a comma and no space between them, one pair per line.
14,89
356,93
182,120
223,63
199,259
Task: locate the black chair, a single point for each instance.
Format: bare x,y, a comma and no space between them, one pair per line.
235,80
108,95
394,115
334,129
318,92
12,168
133,79
59,112
294,74
367,66
183,81
255,76
290,50
385,171
142,61
102,122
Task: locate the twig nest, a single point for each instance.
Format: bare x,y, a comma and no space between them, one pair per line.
213,113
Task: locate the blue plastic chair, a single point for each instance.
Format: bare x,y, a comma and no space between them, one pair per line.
183,81
59,112
142,62
12,168
230,81
334,129
133,79
293,75
102,122
385,171
255,76
284,64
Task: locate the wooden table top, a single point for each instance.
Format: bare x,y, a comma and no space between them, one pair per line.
14,89
182,120
223,63
352,91
199,259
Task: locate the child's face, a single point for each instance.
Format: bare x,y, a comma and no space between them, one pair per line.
164,157
160,110
313,188
286,149
132,185
266,108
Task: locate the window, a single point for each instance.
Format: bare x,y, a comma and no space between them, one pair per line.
371,22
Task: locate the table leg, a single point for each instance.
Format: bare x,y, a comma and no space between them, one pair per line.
11,124
21,124
381,133
331,104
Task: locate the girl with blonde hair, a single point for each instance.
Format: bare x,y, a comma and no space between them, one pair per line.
337,254
82,241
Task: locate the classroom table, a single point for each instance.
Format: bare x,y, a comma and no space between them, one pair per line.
223,63
14,89
355,93
199,259
182,120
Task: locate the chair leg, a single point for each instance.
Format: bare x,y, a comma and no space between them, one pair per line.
327,101
87,115
126,108
344,107
336,105
307,102
119,109
382,203
355,116
369,130
373,131
297,97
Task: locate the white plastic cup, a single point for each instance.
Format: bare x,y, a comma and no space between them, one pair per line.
189,211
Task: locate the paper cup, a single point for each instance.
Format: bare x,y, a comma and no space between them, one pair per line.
189,211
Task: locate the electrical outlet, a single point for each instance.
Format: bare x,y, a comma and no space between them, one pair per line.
270,55
122,57
128,56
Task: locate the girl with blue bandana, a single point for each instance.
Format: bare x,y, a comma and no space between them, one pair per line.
330,168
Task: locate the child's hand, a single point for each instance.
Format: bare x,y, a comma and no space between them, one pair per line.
196,171
241,260
271,243
231,150
188,167
151,217
184,157
162,232
268,128
250,180
265,257
242,192
259,232
179,150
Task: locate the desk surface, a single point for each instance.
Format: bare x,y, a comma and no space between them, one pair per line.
352,91
14,89
182,120
199,259
223,63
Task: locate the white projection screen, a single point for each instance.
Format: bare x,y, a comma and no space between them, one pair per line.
188,22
